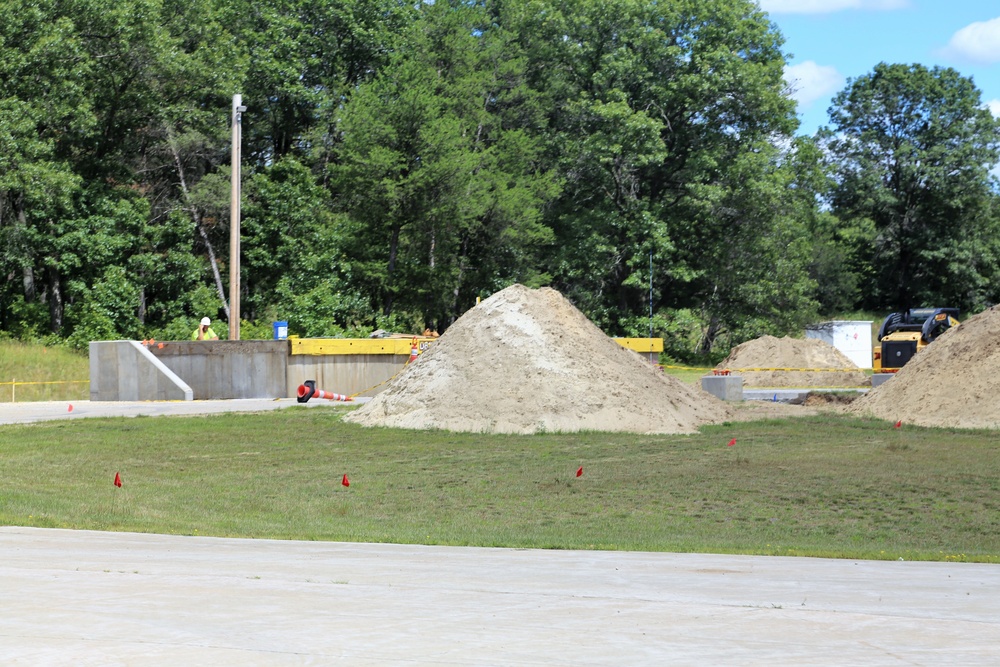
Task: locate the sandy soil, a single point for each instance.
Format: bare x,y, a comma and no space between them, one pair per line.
823,365
952,382
527,361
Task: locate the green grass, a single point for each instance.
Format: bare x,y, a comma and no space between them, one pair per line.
30,372
687,374
830,485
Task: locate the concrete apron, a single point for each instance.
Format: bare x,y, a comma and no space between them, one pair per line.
24,413
89,598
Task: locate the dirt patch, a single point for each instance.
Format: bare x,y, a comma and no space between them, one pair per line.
748,411
527,361
829,398
792,362
950,383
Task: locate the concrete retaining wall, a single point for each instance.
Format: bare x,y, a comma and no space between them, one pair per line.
199,370
124,370
361,374
228,368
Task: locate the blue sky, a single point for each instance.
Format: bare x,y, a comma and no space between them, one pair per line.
831,41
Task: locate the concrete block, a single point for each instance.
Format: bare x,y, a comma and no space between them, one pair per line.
124,370
725,387
225,369
881,378
345,373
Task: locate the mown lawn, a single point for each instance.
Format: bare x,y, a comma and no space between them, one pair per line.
827,485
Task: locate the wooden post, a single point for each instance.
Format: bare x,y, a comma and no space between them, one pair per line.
234,220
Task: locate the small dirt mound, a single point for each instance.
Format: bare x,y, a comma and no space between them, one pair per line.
527,361
950,383
827,398
822,364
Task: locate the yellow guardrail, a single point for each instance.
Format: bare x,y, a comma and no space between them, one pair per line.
402,344
14,384
641,344
323,346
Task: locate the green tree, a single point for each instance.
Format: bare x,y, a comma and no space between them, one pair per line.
662,114
289,231
440,171
836,280
94,89
911,148
42,102
308,56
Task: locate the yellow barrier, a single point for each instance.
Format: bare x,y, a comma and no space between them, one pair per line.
324,346
14,384
641,344
402,345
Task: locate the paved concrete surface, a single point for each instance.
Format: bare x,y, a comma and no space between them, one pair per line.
87,598
23,413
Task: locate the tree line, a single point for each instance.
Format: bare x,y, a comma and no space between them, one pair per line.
402,159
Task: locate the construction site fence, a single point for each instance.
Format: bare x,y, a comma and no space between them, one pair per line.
14,384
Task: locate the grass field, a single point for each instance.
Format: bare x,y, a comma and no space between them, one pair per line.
30,372
827,485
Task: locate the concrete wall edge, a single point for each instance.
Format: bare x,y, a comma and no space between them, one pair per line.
162,368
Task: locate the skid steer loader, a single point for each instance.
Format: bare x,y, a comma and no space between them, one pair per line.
902,335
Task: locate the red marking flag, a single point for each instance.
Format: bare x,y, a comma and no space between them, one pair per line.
345,481
899,423
579,471
118,480
732,443
70,409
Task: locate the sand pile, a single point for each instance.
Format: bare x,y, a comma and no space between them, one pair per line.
780,353
527,361
951,383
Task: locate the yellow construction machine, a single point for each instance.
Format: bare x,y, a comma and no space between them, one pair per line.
902,335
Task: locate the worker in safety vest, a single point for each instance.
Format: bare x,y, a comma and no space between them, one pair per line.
204,331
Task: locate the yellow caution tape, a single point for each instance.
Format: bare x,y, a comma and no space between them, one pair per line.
376,386
755,370
18,384
799,370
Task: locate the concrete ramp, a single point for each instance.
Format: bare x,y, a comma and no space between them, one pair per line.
124,370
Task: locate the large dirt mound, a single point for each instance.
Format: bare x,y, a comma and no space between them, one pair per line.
527,361
825,365
950,383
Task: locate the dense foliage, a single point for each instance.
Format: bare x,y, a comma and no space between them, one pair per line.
402,159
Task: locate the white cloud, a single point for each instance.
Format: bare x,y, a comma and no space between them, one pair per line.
827,6
994,107
810,82
979,42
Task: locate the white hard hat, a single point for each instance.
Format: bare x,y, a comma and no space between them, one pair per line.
205,321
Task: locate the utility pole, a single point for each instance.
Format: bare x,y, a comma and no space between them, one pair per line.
234,220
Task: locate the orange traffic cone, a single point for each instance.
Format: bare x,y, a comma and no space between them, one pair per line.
309,390
329,395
